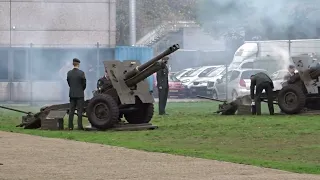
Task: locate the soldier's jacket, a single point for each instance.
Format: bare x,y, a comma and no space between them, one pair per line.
162,78
77,83
104,83
259,79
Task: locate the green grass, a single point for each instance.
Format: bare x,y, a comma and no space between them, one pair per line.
289,143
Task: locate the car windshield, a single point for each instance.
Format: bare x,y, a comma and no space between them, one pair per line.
247,74
239,53
172,78
207,71
190,73
180,72
216,72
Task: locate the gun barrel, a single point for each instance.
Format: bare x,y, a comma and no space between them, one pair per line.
204,97
16,110
170,50
144,74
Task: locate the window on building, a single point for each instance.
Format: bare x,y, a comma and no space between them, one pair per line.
19,65
4,72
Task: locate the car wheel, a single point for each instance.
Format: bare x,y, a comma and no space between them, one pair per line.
214,95
234,95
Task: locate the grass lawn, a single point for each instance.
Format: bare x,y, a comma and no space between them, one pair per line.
284,142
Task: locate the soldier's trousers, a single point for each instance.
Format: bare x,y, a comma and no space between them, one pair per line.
268,89
163,97
76,103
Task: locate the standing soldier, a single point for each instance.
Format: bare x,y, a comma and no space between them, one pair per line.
77,83
163,87
261,81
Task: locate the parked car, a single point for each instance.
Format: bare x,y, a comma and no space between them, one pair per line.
176,88
182,72
238,84
199,86
211,82
278,78
188,78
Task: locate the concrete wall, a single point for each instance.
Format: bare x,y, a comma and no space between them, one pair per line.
57,22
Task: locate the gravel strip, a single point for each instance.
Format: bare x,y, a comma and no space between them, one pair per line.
25,157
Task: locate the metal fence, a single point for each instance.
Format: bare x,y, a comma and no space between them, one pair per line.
38,73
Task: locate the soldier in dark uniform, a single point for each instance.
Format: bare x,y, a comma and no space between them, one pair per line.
163,87
77,83
104,83
261,81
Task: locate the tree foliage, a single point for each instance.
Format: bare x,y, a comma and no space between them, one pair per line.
231,19
150,14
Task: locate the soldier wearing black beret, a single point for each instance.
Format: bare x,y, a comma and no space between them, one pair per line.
77,83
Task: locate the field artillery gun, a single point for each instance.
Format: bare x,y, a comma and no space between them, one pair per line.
127,96
302,90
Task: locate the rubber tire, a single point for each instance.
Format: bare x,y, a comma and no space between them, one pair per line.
214,95
297,90
143,115
112,119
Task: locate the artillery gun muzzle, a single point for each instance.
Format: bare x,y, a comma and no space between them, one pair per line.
144,66
144,74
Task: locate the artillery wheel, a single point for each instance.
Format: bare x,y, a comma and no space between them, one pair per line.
143,115
291,99
102,111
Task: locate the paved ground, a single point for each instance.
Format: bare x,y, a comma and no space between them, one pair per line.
36,158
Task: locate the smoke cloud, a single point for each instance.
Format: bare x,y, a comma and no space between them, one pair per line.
261,20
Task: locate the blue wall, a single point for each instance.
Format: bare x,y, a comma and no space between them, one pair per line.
143,54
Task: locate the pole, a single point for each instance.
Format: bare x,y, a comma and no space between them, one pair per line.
31,73
10,24
226,82
132,21
98,61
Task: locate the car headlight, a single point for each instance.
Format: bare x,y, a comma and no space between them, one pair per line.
186,80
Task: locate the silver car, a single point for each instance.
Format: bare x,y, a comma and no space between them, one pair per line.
188,78
199,86
182,72
237,82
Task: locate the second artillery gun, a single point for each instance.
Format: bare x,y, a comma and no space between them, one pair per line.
302,90
128,96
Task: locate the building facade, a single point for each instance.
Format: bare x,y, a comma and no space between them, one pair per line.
57,22
38,38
